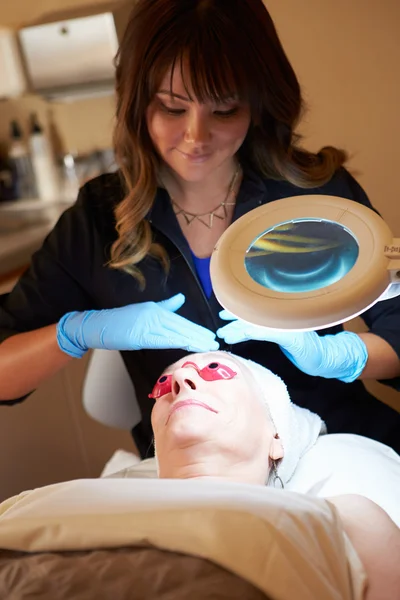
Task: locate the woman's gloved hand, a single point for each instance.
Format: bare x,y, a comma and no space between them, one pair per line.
342,356
146,325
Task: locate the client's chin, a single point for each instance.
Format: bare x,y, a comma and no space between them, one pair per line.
192,449
191,422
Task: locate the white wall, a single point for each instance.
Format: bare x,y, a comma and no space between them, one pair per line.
347,56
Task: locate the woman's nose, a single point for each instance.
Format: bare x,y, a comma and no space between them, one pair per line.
183,380
197,130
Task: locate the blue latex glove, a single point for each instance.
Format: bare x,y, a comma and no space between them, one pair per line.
342,356
146,325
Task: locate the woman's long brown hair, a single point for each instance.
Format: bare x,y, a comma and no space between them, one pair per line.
232,48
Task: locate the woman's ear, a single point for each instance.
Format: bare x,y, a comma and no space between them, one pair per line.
276,451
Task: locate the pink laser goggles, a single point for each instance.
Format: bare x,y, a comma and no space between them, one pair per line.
215,371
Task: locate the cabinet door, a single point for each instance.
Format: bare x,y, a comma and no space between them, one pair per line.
70,52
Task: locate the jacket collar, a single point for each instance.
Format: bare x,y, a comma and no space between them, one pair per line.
252,193
162,217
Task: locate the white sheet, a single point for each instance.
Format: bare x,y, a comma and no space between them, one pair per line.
337,464
289,545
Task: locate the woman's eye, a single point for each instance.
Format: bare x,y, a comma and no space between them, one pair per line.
172,111
226,113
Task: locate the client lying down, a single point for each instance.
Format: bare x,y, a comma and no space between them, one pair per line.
227,440
218,416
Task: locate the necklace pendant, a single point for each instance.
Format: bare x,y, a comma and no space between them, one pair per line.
188,218
209,222
224,205
222,217
209,216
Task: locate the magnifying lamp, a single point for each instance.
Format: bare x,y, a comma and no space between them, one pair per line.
305,263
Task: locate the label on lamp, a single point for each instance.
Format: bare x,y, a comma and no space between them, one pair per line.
393,251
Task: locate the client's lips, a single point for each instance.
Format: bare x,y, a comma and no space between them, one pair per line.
189,402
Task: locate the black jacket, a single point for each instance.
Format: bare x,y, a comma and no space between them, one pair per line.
69,273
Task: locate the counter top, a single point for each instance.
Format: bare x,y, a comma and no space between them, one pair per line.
19,243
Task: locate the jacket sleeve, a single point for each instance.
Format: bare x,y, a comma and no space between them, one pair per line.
55,282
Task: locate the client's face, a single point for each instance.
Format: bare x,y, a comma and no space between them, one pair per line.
208,421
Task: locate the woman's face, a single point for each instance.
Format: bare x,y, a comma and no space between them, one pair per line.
206,405
194,139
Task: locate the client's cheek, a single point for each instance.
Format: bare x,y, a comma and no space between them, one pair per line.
237,404
156,415
153,420
160,412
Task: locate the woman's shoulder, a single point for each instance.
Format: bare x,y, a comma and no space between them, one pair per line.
90,217
342,184
345,185
94,207
102,193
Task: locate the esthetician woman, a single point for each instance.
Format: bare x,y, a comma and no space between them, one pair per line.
207,104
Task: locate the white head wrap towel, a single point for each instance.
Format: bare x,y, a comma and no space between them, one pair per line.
298,428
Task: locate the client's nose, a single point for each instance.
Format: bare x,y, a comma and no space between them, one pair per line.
183,380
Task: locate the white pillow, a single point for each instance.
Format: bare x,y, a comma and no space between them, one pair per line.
350,464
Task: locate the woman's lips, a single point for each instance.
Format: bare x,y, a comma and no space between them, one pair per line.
189,402
195,158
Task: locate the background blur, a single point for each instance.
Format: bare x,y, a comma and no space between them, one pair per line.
346,55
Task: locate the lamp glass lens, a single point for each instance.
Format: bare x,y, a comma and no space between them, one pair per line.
301,255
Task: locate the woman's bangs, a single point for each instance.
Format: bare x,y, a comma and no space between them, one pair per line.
211,75
207,70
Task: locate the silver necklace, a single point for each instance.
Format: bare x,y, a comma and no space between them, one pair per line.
208,216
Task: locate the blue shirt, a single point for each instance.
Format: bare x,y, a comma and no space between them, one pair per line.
203,271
